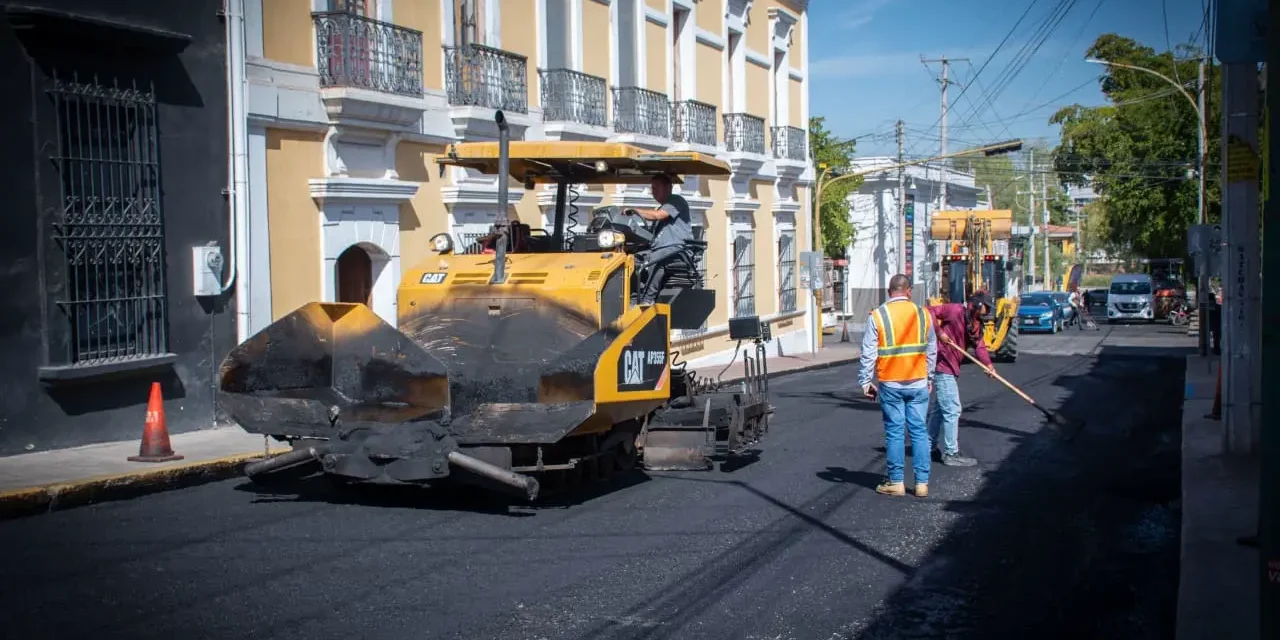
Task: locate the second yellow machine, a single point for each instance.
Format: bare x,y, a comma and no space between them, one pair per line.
527,363
973,265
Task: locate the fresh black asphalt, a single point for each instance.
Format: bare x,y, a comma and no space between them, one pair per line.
1054,534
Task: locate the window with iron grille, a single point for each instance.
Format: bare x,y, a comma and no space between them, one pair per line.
110,229
744,265
786,270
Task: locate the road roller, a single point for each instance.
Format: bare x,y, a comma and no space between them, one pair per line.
522,364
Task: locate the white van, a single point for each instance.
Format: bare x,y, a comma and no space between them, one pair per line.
1131,297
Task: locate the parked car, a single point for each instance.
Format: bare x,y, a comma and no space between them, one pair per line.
1039,311
1131,297
1068,311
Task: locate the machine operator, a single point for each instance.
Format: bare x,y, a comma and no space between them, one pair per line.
673,229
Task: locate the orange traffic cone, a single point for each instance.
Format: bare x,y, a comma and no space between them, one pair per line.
155,435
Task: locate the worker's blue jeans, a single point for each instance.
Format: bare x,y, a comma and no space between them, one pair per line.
905,408
944,414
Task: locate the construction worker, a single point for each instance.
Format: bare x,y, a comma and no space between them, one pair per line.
1077,308
962,324
900,348
672,231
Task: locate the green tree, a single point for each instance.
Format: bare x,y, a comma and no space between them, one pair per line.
1139,151
835,154
1096,229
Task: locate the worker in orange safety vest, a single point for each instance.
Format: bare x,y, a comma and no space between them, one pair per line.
900,348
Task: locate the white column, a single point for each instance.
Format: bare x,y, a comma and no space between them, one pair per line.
259,232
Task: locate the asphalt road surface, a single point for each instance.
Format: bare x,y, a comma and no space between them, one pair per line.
1055,534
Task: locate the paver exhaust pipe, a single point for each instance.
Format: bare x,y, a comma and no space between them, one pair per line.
527,484
276,463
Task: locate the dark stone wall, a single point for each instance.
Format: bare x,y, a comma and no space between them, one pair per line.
179,48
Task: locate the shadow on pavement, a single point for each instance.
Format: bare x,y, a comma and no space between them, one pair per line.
441,497
850,399
1070,537
739,462
866,479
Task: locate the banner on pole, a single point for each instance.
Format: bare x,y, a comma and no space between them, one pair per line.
908,237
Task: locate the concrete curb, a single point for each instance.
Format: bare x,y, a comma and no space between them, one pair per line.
65,495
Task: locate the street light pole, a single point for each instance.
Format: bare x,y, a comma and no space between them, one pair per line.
817,246
1202,283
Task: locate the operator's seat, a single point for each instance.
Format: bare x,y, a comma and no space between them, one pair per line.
681,270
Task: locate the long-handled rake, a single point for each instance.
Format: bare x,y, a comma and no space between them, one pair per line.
1064,423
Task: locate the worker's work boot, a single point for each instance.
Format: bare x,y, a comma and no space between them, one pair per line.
892,488
957,460
922,490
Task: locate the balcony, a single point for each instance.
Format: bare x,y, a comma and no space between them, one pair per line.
480,76
570,96
743,133
790,159
695,123
642,112
356,52
788,143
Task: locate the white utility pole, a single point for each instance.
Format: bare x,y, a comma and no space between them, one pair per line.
1241,262
902,205
991,204
1031,214
1044,218
946,65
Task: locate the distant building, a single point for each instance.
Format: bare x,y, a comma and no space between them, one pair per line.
874,255
1081,197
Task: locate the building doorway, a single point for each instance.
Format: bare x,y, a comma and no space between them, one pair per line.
355,276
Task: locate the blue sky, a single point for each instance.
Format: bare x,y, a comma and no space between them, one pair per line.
864,60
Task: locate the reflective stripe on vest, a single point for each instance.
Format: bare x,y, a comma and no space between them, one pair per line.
902,330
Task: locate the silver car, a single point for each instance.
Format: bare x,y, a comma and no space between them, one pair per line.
1131,297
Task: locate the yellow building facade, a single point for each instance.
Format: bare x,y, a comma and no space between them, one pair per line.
347,104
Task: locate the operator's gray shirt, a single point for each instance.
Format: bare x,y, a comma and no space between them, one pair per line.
678,228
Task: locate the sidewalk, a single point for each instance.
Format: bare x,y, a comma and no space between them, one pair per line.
1218,587
51,480
833,354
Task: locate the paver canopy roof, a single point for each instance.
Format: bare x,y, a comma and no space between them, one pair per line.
581,162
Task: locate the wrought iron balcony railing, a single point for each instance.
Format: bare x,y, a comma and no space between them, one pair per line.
572,96
355,51
788,143
641,111
744,133
695,122
480,76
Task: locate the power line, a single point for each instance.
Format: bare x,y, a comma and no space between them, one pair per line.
1029,50
1000,46
1067,53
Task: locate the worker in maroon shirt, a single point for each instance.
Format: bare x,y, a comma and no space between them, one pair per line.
962,323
